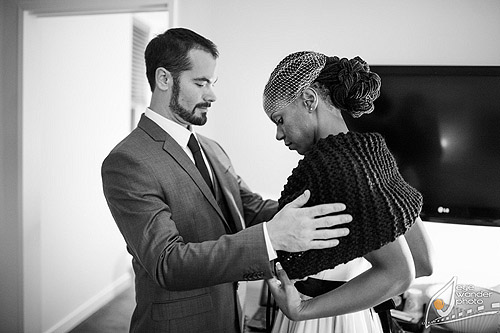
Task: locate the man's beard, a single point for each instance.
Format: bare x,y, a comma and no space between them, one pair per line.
189,116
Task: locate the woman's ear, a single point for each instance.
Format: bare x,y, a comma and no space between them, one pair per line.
163,79
310,97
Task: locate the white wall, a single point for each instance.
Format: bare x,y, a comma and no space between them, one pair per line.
253,36
76,107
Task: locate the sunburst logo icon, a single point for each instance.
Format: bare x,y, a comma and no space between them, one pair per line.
438,304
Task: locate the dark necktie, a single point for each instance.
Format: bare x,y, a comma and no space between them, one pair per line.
198,160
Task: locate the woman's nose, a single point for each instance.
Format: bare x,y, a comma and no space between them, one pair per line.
279,133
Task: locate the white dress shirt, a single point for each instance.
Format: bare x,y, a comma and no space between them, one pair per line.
179,133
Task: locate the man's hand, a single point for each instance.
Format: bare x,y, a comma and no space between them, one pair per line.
296,229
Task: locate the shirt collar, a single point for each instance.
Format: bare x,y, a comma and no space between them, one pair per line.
178,132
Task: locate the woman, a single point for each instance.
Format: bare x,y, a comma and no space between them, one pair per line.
387,246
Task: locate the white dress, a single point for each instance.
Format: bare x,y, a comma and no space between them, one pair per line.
366,321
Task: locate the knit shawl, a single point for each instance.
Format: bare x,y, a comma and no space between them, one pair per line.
359,170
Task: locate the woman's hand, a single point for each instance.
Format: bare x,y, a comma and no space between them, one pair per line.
286,295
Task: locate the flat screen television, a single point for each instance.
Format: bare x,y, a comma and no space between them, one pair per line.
442,123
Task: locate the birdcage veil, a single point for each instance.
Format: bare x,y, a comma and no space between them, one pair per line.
290,78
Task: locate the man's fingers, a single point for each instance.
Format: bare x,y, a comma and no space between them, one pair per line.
331,221
324,209
301,200
323,244
325,234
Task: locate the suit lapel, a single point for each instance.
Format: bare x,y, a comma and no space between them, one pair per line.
229,189
171,147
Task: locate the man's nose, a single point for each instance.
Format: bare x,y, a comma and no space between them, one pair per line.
210,96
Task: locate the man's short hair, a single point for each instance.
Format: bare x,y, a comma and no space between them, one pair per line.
170,51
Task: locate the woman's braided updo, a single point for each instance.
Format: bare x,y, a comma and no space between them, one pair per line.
350,84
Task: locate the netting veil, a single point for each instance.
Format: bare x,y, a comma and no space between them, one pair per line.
293,74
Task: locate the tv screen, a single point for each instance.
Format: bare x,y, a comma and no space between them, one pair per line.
442,123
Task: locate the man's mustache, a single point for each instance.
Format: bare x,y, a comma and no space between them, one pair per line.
203,105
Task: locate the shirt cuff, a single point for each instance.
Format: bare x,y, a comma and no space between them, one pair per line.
271,253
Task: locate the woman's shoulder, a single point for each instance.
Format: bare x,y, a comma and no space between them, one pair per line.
353,140
351,148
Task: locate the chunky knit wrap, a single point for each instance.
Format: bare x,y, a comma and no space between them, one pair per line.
356,169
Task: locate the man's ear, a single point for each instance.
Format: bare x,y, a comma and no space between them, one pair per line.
310,97
163,79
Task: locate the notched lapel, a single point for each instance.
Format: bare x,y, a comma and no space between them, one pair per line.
229,189
178,154
171,147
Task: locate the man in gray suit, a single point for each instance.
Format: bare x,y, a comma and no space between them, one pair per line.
191,224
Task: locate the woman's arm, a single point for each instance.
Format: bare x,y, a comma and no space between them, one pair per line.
391,273
421,248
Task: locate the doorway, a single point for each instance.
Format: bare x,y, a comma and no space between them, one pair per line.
76,105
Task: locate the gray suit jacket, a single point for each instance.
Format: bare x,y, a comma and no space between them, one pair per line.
185,263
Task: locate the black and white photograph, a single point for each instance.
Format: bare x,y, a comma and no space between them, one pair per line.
275,166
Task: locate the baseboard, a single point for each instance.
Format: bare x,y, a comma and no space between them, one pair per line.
92,305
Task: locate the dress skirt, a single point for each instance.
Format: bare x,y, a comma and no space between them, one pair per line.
365,321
